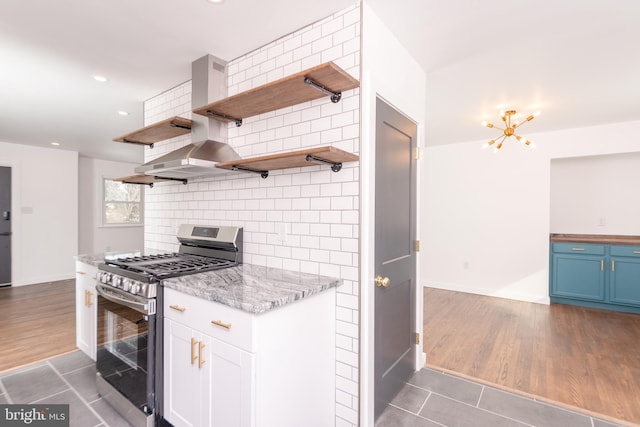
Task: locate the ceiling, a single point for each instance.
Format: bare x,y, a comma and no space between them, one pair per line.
575,60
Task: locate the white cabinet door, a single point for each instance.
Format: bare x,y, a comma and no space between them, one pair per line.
86,309
207,382
231,395
182,377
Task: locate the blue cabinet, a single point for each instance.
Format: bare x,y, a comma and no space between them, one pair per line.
595,275
624,276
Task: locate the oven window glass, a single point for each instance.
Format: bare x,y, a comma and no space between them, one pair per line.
122,356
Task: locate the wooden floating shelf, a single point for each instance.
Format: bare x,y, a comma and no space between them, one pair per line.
323,80
293,159
143,179
156,132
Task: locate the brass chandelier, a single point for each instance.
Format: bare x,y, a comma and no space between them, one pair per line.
509,130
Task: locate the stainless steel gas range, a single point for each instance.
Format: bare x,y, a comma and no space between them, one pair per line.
129,354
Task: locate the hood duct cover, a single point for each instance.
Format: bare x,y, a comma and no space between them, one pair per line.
208,84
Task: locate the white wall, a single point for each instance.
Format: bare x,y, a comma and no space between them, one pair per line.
45,212
596,195
390,72
320,208
93,236
486,217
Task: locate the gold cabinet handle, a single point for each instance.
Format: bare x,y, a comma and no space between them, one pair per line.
193,353
89,295
577,249
86,298
178,308
80,272
221,324
381,281
613,265
200,359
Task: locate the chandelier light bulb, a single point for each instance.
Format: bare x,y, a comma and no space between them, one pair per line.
488,144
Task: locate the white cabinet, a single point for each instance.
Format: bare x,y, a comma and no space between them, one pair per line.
207,382
229,368
86,308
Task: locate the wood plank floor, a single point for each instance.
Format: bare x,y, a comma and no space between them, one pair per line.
580,357
36,322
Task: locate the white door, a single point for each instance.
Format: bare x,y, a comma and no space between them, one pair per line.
231,387
182,388
86,310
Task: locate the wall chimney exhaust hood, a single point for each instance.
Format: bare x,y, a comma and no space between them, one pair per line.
208,84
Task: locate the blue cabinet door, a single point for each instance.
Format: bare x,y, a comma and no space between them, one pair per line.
624,281
578,276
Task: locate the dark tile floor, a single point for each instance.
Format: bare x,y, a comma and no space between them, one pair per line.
433,398
430,398
68,379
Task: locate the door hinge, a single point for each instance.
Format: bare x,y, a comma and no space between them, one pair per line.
417,337
416,245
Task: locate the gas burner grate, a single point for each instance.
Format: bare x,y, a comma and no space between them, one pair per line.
163,266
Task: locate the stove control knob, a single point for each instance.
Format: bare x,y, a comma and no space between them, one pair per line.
125,284
135,288
109,279
142,289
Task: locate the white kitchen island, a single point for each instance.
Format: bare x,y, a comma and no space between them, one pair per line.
249,346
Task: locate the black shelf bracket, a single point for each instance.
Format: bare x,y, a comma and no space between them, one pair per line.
177,125
335,96
182,180
224,117
335,166
263,174
131,141
150,184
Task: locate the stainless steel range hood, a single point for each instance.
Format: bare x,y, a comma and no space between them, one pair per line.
208,84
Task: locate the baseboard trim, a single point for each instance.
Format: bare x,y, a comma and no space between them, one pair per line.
489,292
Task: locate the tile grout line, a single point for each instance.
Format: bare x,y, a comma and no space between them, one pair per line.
485,410
5,392
424,403
480,397
416,415
102,421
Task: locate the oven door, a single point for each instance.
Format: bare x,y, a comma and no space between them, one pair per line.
125,354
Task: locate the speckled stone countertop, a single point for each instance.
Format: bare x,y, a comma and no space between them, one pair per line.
252,288
95,259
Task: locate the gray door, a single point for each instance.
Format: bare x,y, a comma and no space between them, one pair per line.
395,257
5,226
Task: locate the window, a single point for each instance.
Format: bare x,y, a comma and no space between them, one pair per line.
122,203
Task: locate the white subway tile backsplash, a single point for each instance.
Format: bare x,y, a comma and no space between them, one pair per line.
317,207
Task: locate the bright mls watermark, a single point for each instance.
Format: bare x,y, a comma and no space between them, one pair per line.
34,415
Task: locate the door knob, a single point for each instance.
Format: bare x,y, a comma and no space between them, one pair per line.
382,281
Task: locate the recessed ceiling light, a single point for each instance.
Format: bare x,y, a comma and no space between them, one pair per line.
100,79
55,143
215,1
123,113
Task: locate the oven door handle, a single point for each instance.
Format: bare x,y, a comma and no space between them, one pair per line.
142,307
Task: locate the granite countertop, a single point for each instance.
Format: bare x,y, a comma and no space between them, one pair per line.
252,288
596,238
95,259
